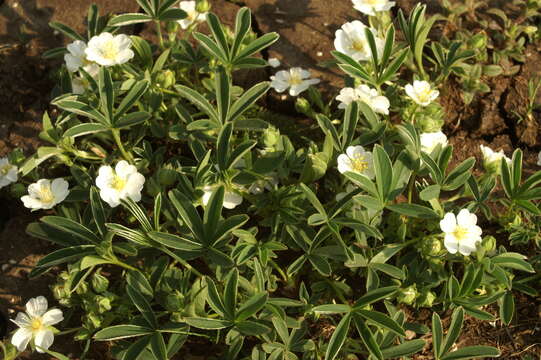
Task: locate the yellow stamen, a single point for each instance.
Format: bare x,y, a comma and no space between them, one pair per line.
357,45
5,169
460,233
45,194
36,324
118,183
295,80
109,50
358,163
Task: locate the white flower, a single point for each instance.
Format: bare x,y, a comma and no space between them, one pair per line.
80,83
357,160
378,103
370,7
461,232
76,56
259,186
274,62
421,92
492,157
8,172
45,194
107,49
351,40
119,184
296,80
193,15
36,325
231,198
429,141
539,159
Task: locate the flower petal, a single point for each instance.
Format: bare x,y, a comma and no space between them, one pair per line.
466,219
21,338
36,307
451,243
44,339
52,317
22,320
448,223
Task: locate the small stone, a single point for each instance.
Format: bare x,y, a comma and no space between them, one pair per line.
319,53
410,334
12,262
5,267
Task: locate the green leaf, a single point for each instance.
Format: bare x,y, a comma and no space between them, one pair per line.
80,108
384,171
413,210
223,94
252,306
381,320
64,255
472,352
172,14
218,33
118,332
247,100
351,118
430,192
71,227
66,30
338,338
222,147
243,24
129,19
136,91
437,334
137,348
211,46
375,295
367,337
187,212
198,100
98,211
92,260
513,261
157,344
257,45
252,328
405,349
313,200
174,241
230,294
207,324
332,309
142,304
85,129
507,308
106,92
454,330
132,119
214,299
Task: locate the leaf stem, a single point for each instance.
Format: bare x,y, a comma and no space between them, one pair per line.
159,32
118,141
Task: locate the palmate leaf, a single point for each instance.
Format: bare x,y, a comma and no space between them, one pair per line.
338,338
129,19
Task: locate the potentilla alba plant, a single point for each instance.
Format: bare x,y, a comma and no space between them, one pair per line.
45,194
76,56
8,172
492,159
461,232
351,40
121,183
357,160
379,103
421,92
36,325
107,49
194,16
295,79
429,141
372,7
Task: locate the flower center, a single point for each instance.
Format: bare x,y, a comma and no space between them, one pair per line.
357,45
36,324
295,80
109,50
460,233
372,2
46,195
424,95
118,183
358,163
5,169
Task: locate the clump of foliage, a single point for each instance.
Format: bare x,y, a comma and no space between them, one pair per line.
183,215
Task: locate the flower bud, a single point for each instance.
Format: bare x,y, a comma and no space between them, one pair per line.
431,246
167,176
270,137
426,299
407,295
166,79
303,106
489,243
99,283
479,40
430,118
202,6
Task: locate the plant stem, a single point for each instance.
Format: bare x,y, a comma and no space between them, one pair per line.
160,36
125,154
280,271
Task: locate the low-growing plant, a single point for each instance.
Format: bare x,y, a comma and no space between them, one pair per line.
182,217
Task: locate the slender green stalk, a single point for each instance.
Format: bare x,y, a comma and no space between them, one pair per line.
118,141
160,35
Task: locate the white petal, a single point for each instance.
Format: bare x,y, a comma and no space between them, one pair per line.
344,163
466,219
448,223
466,247
110,196
451,244
355,151
52,317
22,320
295,90
231,200
274,62
36,307
44,339
21,338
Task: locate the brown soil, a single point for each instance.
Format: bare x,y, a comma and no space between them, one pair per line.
307,31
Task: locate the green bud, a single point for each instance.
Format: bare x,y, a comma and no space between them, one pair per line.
407,295
270,137
174,302
99,283
530,30
104,304
303,106
172,27
430,118
431,246
426,299
202,6
166,79
82,288
489,243
479,40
